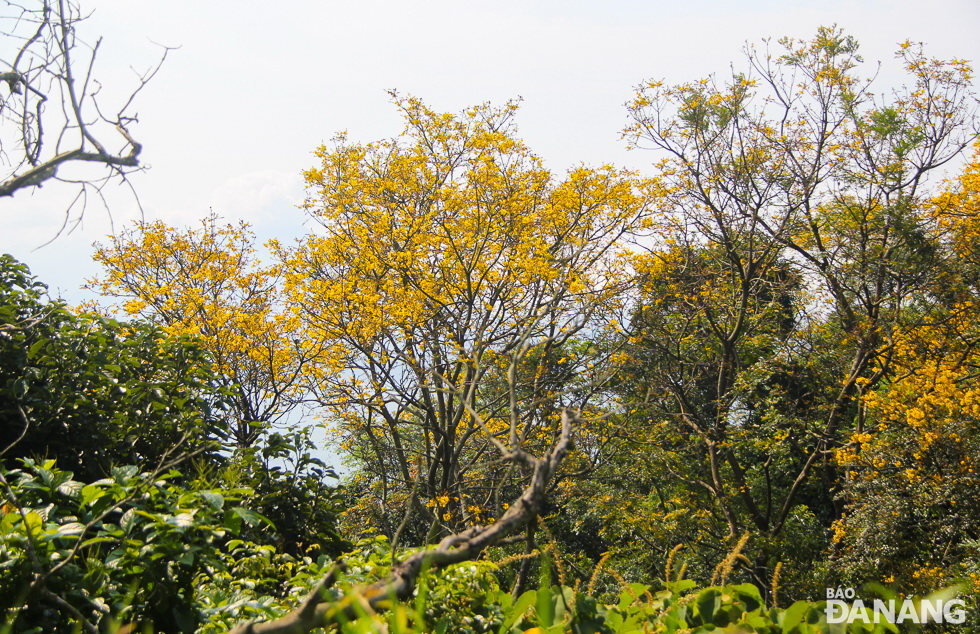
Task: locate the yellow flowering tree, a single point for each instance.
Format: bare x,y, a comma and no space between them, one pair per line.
447,284
795,244
912,470
209,283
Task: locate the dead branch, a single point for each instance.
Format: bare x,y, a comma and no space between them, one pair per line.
317,612
53,66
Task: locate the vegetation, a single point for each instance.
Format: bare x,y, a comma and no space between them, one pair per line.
688,401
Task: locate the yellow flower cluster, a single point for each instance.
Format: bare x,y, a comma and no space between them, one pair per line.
208,283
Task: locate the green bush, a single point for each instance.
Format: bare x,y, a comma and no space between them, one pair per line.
124,549
93,392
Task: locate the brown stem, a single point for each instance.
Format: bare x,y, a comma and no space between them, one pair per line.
452,549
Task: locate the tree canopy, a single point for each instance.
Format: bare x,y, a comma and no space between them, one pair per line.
703,394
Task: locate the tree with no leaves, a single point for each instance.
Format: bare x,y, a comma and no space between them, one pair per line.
50,113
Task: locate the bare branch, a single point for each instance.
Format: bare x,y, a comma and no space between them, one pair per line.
36,140
452,549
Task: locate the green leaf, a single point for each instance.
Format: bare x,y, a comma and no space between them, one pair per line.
91,493
794,615
34,521
182,520
544,608
123,474
127,520
249,516
708,603
516,612
233,521
70,528
71,488
747,594
214,499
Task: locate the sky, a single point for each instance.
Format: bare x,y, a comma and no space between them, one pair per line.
235,113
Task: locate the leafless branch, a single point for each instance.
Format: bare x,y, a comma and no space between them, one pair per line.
52,65
316,612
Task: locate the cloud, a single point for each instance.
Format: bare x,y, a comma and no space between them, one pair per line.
257,197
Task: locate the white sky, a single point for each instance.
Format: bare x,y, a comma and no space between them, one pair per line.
234,115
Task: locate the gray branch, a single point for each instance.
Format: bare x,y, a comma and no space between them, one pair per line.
316,612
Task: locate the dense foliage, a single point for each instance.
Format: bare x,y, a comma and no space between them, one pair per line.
97,521
770,343
94,392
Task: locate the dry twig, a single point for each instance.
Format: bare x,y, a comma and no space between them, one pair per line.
316,612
